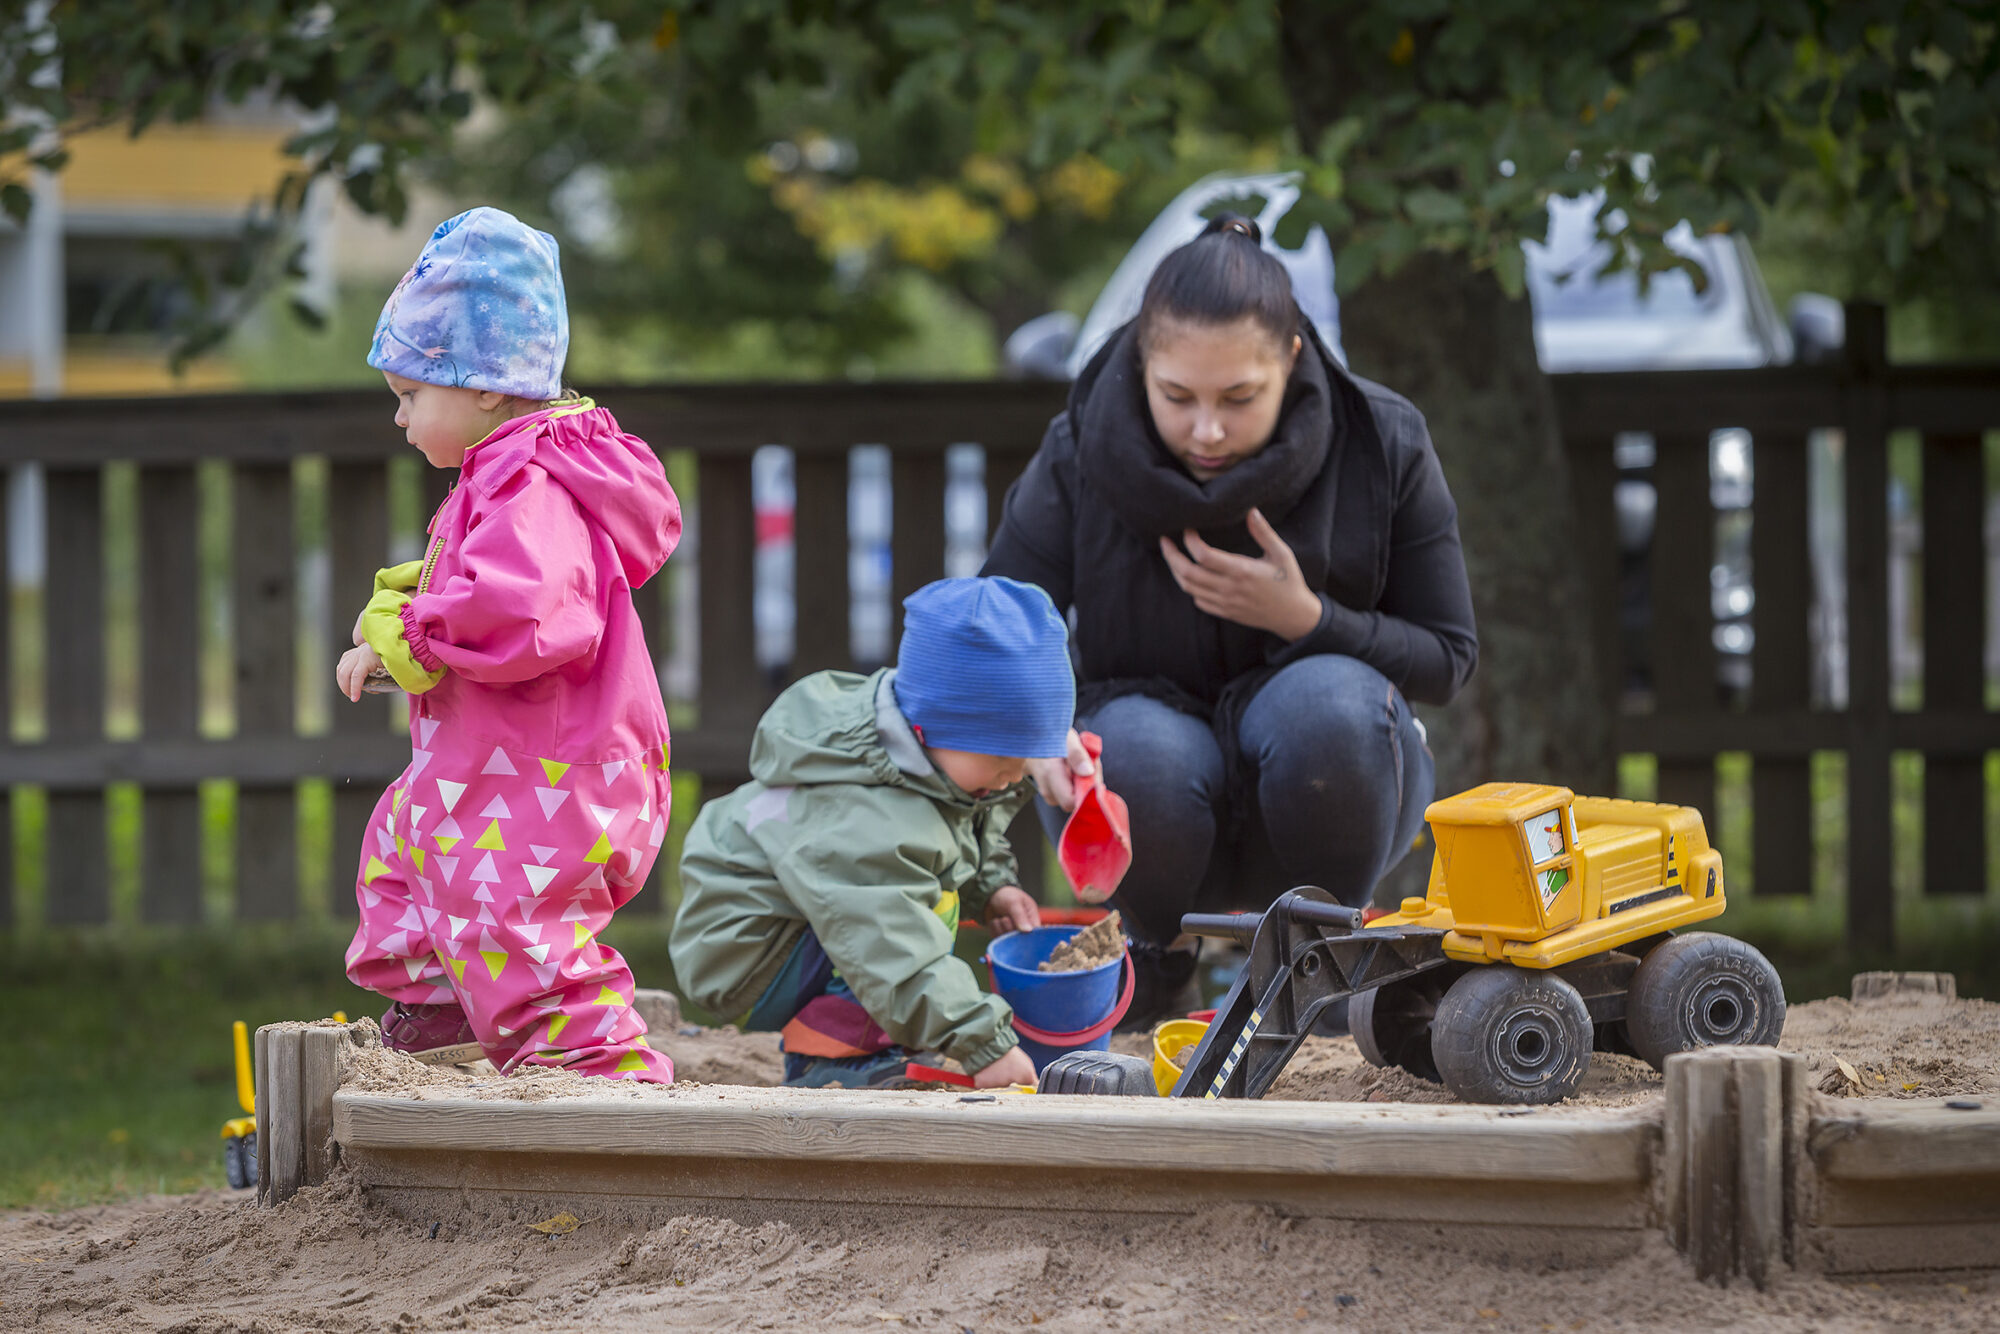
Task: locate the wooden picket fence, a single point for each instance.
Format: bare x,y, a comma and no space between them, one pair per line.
1864,398
260,436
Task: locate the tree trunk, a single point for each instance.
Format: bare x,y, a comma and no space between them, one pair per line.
1532,709
1450,340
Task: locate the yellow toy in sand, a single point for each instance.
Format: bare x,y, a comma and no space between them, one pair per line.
1547,932
1575,900
239,1133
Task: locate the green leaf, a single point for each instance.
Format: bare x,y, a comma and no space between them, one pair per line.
1339,137
1356,265
1432,207
1371,193
1510,266
16,200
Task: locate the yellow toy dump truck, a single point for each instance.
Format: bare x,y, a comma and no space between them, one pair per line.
1546,932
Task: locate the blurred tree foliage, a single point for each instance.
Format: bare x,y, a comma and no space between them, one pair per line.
1430,134
985,141
804,209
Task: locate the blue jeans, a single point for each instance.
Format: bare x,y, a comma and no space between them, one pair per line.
1336,774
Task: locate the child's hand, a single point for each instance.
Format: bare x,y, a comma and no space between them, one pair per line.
359,638
1010,909
1013,1068
1053,777
355,666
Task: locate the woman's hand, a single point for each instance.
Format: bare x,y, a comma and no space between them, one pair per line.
355,667
1052,777
1266,591
1010,909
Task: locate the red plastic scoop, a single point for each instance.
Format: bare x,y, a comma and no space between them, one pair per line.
1096,846
930,1074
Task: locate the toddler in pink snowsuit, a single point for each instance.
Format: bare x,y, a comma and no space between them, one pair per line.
536,799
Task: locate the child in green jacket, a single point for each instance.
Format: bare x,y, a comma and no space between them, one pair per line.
823,897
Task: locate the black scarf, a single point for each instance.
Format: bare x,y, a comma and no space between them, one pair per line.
1120,454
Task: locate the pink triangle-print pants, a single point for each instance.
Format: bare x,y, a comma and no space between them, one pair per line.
485,877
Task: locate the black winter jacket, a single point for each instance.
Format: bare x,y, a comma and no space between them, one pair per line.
1349,480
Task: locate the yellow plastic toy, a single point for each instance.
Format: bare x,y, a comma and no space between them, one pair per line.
1168,1040
1575,899
239,1133
1532,875
1547,932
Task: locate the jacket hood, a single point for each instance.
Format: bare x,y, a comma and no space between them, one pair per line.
615,478
838,727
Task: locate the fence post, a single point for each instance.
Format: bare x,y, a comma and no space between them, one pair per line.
1871,908
299,1069
1780,659
357,514
73,669
1734,1140
1954,595
170,684
1682,645
7,476
821,635
916,529
266,628
1593,479
732,692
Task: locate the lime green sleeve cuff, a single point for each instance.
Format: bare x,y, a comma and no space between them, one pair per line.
384,626
403,577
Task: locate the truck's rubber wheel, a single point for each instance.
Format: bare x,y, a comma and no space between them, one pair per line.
239,1160
1099,1072
1392,1024
1702,990
1511,1035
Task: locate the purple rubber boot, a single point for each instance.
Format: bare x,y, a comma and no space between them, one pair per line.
434,1034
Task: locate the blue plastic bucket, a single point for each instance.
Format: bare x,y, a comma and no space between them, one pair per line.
1053,1002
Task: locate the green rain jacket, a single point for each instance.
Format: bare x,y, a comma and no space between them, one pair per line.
848,829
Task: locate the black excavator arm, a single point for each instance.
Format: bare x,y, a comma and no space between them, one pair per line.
1307,952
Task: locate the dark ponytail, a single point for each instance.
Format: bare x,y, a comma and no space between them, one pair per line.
1222,276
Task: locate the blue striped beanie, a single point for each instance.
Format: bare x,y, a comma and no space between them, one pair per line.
984,667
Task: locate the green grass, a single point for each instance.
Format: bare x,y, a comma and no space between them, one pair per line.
120,1068
120,1065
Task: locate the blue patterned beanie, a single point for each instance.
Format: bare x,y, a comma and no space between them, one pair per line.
482,308
984,667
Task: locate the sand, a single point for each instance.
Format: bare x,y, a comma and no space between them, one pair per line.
1903,1049
216,1264
213,1263
1093,947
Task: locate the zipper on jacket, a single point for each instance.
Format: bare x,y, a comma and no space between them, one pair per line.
437,540
421,704
430,563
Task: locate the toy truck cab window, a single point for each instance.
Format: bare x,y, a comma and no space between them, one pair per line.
1545,836
1548,851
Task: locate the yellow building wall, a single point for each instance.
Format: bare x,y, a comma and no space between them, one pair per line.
218,168
201,168
135,371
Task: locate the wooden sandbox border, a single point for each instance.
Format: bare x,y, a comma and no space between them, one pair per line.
1741,1165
